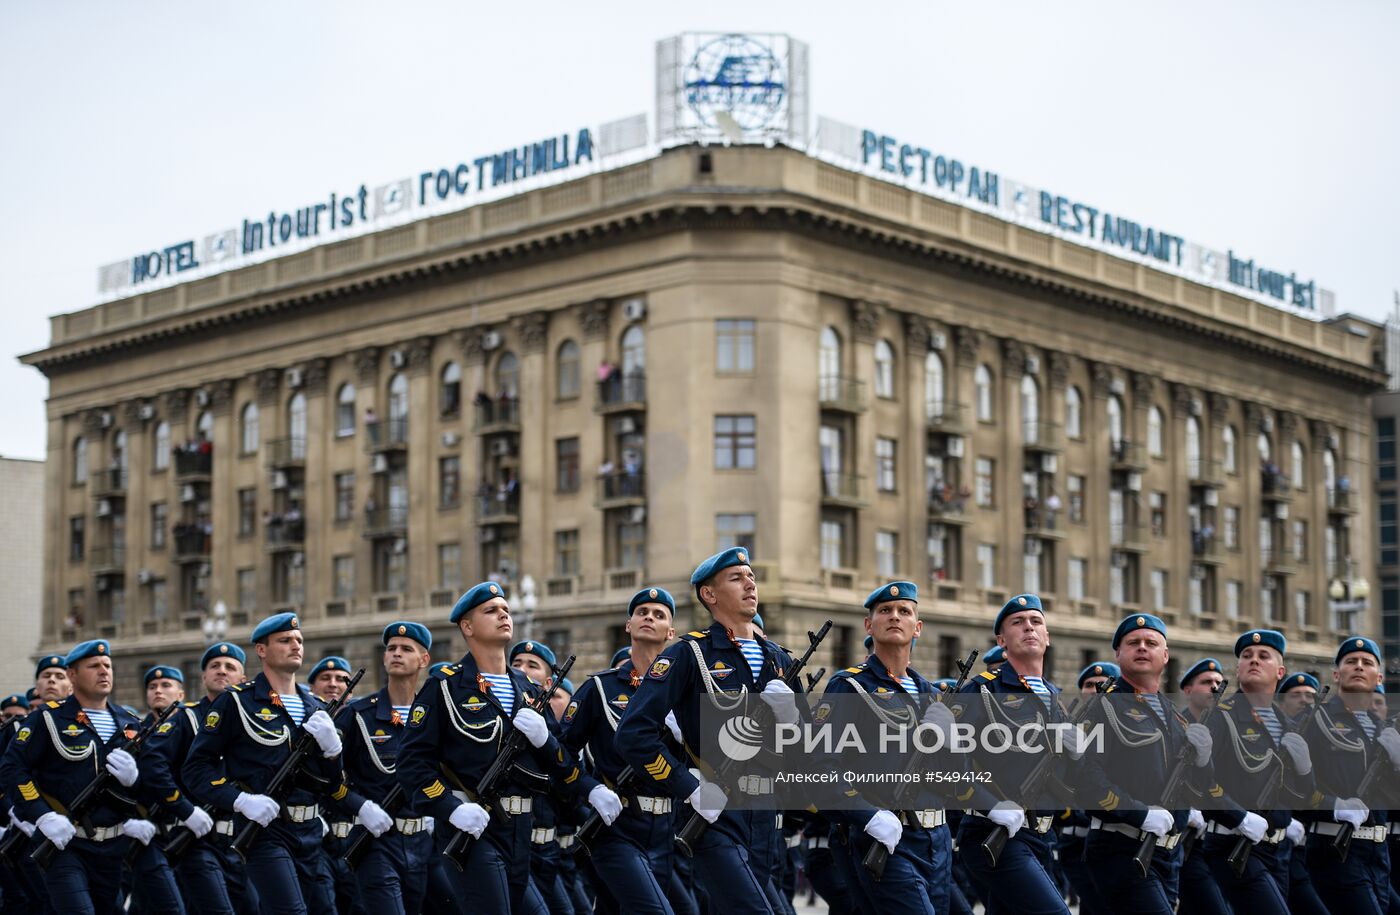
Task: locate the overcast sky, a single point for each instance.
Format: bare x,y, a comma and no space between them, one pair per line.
1268,127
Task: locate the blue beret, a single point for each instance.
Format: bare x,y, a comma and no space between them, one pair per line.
281,622
14,699
869,642
1358,643
1135,622
1300,679
47,661
474,598
334,662
438,666
566,686
31,694
944,683
621,655
1380,688
895,590
1098,669
994,655
1203,666
734,556
652,596
1269,638
538,649
1017,604
416,631
758,620
223,650
94,649
164,673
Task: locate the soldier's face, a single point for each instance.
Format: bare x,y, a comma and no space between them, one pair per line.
11,712
1379,706
1297,699
221,674
161,692
1260,669
1358,672
1024,635
894,622
559,703
282,651
1091,685
53,684
403,656
92,677
1143,655
534,667
489,622
1200,691
650,624
329,685
733,592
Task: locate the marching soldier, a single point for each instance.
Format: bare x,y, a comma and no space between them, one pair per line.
1073,827
52,758
994,657
327,681
246,736
329,678
1297,692
393,874
455,731
676,681
153,886
1197,888
12,708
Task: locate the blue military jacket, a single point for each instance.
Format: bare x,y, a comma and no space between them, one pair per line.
455,732
164,754
1249,766
56,753
7,734
592,718
244,739
373,735
1015,706
1341,754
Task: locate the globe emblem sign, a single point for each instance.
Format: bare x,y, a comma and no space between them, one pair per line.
737,75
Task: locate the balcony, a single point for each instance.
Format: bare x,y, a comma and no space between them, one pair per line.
284,535
107,560
109,484
286,453
1126,455
621,394
1280,562
621,490
1341,501
494,510
1042,436
948,418
623,580
842,490
1128,537
1205,473
1275,486
836,392
192,544
494,417
1044,523
948,506
193,466
386,435
1207,550
386,522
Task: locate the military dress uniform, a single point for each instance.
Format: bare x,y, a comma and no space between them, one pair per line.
1197,890
1072,826
15,890
1302,895
153,885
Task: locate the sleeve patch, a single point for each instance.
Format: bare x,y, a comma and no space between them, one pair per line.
659,768
211,721
340,792
570,712
822,713
659,669
173,798
415,717
23,735
29,792
435,790
164,728
572,776
1110,801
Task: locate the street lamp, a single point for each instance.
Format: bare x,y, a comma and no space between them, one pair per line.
216,624
1348,596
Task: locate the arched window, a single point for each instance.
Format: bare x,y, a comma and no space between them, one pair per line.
1193,447
634,352
1074,413
934,395
1329,470
248,426
450,390
829,360
508,375
884,369
1297,469
1115,422
160,454
566,370
398,397
982,380
345,411
1155,446
204,427
80,468
1266,448
119,450
296,422
1030,409
1230,448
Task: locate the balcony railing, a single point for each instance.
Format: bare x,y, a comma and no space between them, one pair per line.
622,392
617,490
1276,486
1042,436
836,392
497,416
1207,549
1341,501
191,543
1131,537
386,522
1203,472
285,535
1044,522
494,510
107,484
842,489
286,452
193,466
108,560
1280,562
946,417
949,506
1126,455
386,434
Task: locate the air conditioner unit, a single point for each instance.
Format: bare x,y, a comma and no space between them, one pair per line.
955,446
298,560
380,463
1032,365
1212,498
401,545
488,535
398,359
1281,511
106,419
294,378
634,309
1050,463
626,425
103,584
491,340
279,479
450,439
1033,546
1120,560
938,340
639,514
187,493
936,531
500,448
147,411
104,508
201,397
1135,482
145,576
1198,571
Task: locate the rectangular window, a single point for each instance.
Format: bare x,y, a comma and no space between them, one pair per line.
247,512
1030,562
344,496
986,486
886,553
1232,599
735,442
987,565
1117,586
77,603
449,481
1076,498
247,590
345,412
734,530
1078,573
1195,597
566,464
884,464
632,545
160,520
833,544
566,553
77,538
1231,534
937,552
734,346
1159,589
1388,530
160,601
1385,448
343,577
1300,540
1158,503
1302,613
450,566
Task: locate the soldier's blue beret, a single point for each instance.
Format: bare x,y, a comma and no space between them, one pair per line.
432,669
1293,681
164,673
945,683
758,620
474,598
223,650
994,655
1358,643
621,655
1380,688
96,648
1134,623
566,686
869,642
1203,666
280,622
14,699
31,694
1098,669
538,649
333,662
895,590
1017,604
734,556
416,631
47,661
1269,638
652,596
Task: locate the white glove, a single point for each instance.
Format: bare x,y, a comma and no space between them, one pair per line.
939,717
428,824
781,700
674,727
532,724
1008,815
1296,833
1195,821
26,828
708,799
1350,810
1298,753
1157,821
1389,739
259,808
142,831
321,727
1075,742
198,822
57,829
604,800
885,828
1252,827
375,819
122,765
470,817
1198,735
